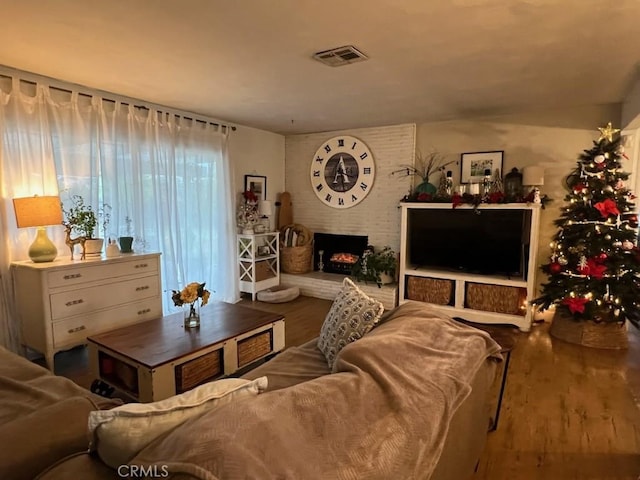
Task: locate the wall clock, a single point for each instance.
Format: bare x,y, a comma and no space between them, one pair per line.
342,172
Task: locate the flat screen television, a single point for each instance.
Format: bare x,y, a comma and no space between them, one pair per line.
485,242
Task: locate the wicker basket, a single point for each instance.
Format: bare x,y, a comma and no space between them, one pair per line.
199,370
610,335
496,298
254,347
298,258
430,290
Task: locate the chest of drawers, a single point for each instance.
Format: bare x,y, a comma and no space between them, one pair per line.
59,304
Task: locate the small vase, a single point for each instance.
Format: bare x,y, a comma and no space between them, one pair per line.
192,315
426,187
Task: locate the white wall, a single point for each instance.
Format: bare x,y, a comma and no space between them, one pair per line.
631,107
377,215
258,152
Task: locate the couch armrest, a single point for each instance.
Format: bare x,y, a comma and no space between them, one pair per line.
40,439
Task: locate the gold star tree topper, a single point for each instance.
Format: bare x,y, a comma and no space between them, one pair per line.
608,132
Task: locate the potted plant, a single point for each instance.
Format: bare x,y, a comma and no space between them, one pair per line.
84,220
424,167
379,267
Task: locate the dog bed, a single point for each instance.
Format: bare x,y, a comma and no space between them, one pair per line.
279,294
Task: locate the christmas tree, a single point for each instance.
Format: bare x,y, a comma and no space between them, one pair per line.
594,269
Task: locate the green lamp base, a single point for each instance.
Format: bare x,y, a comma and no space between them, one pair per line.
42,249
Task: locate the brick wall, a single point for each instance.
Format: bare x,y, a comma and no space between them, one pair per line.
377,215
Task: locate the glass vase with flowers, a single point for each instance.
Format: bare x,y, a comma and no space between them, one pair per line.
189,296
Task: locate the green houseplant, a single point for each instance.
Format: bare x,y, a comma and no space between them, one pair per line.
84,220
378,267
80,216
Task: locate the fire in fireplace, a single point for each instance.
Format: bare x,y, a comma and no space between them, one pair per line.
339,252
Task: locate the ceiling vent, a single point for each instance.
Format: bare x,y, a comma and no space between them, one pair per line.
337,57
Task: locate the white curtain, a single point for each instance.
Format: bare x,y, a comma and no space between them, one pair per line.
169,175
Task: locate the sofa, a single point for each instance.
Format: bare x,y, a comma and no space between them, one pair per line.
409,399
43,417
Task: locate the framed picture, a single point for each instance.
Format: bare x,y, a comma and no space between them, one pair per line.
256,184
473,165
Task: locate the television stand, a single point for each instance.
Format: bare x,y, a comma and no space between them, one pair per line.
488,299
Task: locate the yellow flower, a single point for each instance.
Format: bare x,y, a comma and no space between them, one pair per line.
205,297
190,294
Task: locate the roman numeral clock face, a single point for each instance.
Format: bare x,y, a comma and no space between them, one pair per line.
342,172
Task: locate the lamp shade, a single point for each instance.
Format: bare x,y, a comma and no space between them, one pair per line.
265,208
37,211
533,175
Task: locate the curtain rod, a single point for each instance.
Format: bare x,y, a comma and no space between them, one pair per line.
123,100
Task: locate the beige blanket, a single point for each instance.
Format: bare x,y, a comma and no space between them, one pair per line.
384,414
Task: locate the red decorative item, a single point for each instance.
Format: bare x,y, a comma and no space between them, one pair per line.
607,207
530,197
602,256
597,269
456,199
424,197
250,196
593,268
496,197
555,267
575,304
579,188
601,166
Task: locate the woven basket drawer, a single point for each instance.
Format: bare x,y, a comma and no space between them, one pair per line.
262,271
199,370
254,347
430,290
496,298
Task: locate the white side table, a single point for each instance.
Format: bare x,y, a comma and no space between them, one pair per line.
258,261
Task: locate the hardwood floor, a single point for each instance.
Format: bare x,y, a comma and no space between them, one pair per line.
568,412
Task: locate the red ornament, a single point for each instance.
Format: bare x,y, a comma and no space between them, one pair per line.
424,197
456,199
607,207
575,304
580,187
555,267
601,165
602,256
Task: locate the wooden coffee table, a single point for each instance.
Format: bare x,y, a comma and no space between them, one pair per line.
159,358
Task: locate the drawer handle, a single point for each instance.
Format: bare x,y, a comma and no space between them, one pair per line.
74,302
141,265
77,329
145,287
71,276
142,312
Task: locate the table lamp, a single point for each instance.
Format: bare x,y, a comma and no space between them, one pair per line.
38,212
266,210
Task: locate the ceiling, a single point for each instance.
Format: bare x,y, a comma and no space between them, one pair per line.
250,61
